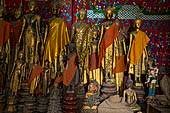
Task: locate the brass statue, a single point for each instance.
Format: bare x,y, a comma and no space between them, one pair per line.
30,38
80,36
34,79
46,78
95,72
18,73
119,58
3,70
15,33
137,53
129,96
5,29
56,38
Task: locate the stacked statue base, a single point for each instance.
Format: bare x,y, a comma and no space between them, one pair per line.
55,101
11,104
114,105
80,91
42,105
70,103
91,101
30,105
108,89
140,93
2,103
23,93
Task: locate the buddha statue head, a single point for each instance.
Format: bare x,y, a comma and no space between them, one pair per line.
46,64
138,22
129,83
55,8
21,55
108,13
32,6
94,31
82,14
19,11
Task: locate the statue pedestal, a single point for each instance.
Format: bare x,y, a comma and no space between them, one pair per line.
11,104
42,105
70,103
2,102
90,103
140,93
30,105
80,91
108,89
23,93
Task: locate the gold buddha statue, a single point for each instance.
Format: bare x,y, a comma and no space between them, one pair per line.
18,73
80,36
56,38
94,71
30,37
119,58
137,53
5,29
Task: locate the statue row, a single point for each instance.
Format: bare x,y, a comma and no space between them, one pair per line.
34,53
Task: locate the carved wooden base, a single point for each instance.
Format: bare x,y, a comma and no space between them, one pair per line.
11,104
140,93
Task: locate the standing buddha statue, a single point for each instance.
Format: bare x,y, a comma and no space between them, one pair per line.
56,38
30,38
5,29
109,31
80,36
119,58
16,30
95,72
137,53
18,73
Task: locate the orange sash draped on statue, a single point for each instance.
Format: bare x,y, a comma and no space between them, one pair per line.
139,43
69,72
108,39
36,71
5,29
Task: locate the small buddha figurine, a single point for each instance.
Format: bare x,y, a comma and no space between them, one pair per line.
18,73
46,78
80,36
56,37
129,96
34,79
137,53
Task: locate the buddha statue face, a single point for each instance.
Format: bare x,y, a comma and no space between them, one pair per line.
55,8
32,5
21,55
18,13
108,13
46,64
82,14
138,23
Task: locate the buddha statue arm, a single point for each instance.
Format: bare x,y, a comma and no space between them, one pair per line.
73,31
101,36
124,45
131,37
46,32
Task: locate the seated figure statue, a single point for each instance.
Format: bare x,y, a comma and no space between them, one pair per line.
129,96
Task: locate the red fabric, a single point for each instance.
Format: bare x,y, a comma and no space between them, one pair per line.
5,30
108,39
36,71
93,61
16,31
120,64
69,72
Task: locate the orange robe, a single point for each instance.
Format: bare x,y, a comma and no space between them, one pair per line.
5,29
138,45
109,37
